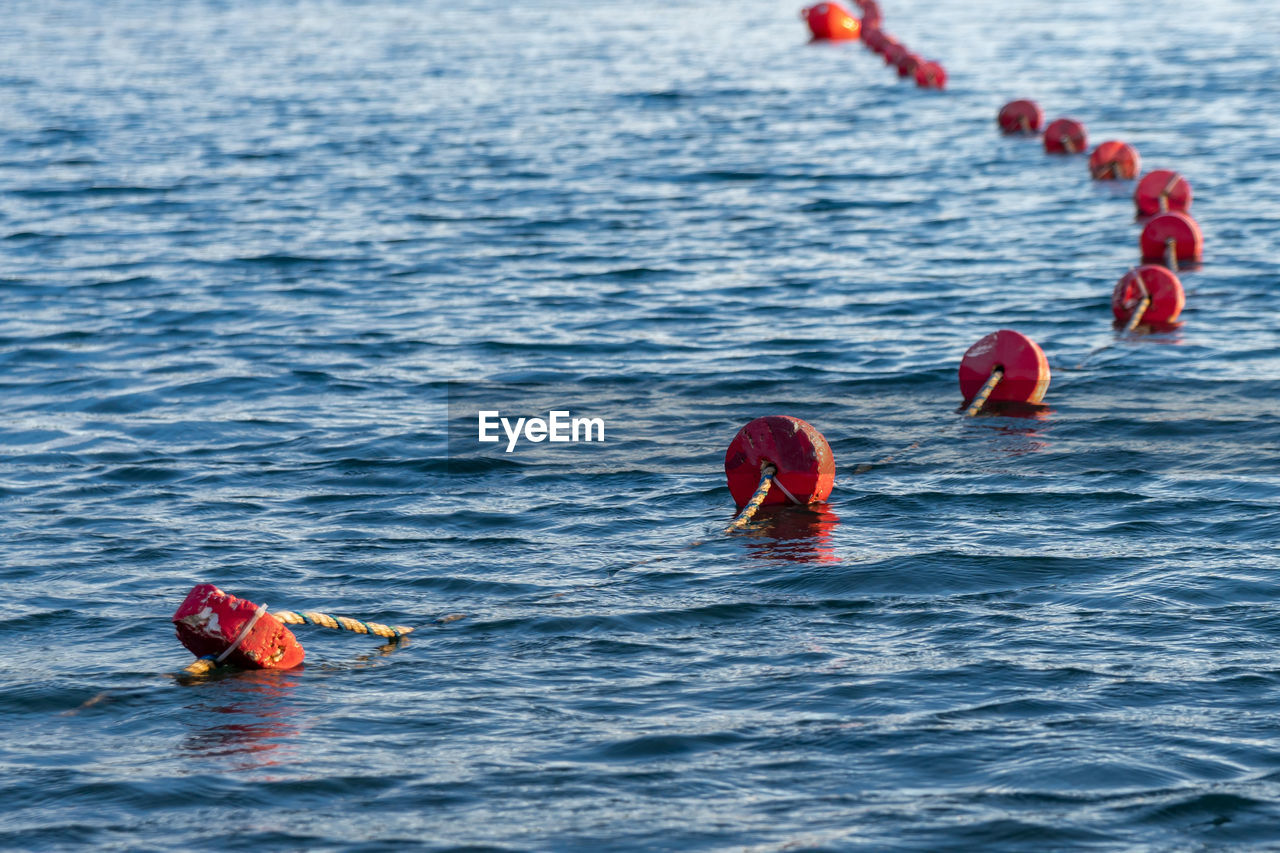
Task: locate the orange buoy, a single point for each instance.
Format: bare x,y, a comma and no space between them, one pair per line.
1026,370
1171,239
234,631
831,22
802,456
1162,190
1158,284
1114,160
1064,136
1021,116
908,64
931,75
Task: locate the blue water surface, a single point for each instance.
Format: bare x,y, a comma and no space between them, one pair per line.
261,262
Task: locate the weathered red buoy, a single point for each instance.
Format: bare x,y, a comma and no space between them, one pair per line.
1026,370
1064,136
907,64
209,622
931,75
1021,116
802,456
1157,283
1162,190
831,22
1114,160
1171,232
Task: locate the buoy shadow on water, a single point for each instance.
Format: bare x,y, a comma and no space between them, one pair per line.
800,534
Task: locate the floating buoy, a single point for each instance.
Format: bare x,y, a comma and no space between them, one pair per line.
1114,160
931,75
831,22
234,631
1021,116
1160,191
872,37
908,64
894,51
1017,364
1064,136
1171,239
1156,284
805,466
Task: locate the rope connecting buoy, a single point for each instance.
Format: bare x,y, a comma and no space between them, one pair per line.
1171,239
1114,161
805,470
931,75
219,628
1065,136
1162,191
229,630
1020,116
831,22
1003,367
1148,295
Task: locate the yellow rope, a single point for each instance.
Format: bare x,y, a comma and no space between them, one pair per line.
341,623
981,399
1171,254
762,491
1136,317
203,666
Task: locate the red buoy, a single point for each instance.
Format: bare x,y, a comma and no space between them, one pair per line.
1064,136
894,51
931,75
802,456
1162,190
1114,160
907,64
1021,116
831,22
1026,370
1171,239
234,631
1160,285
872,36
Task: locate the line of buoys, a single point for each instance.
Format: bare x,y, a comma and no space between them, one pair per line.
833,22
1143,298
